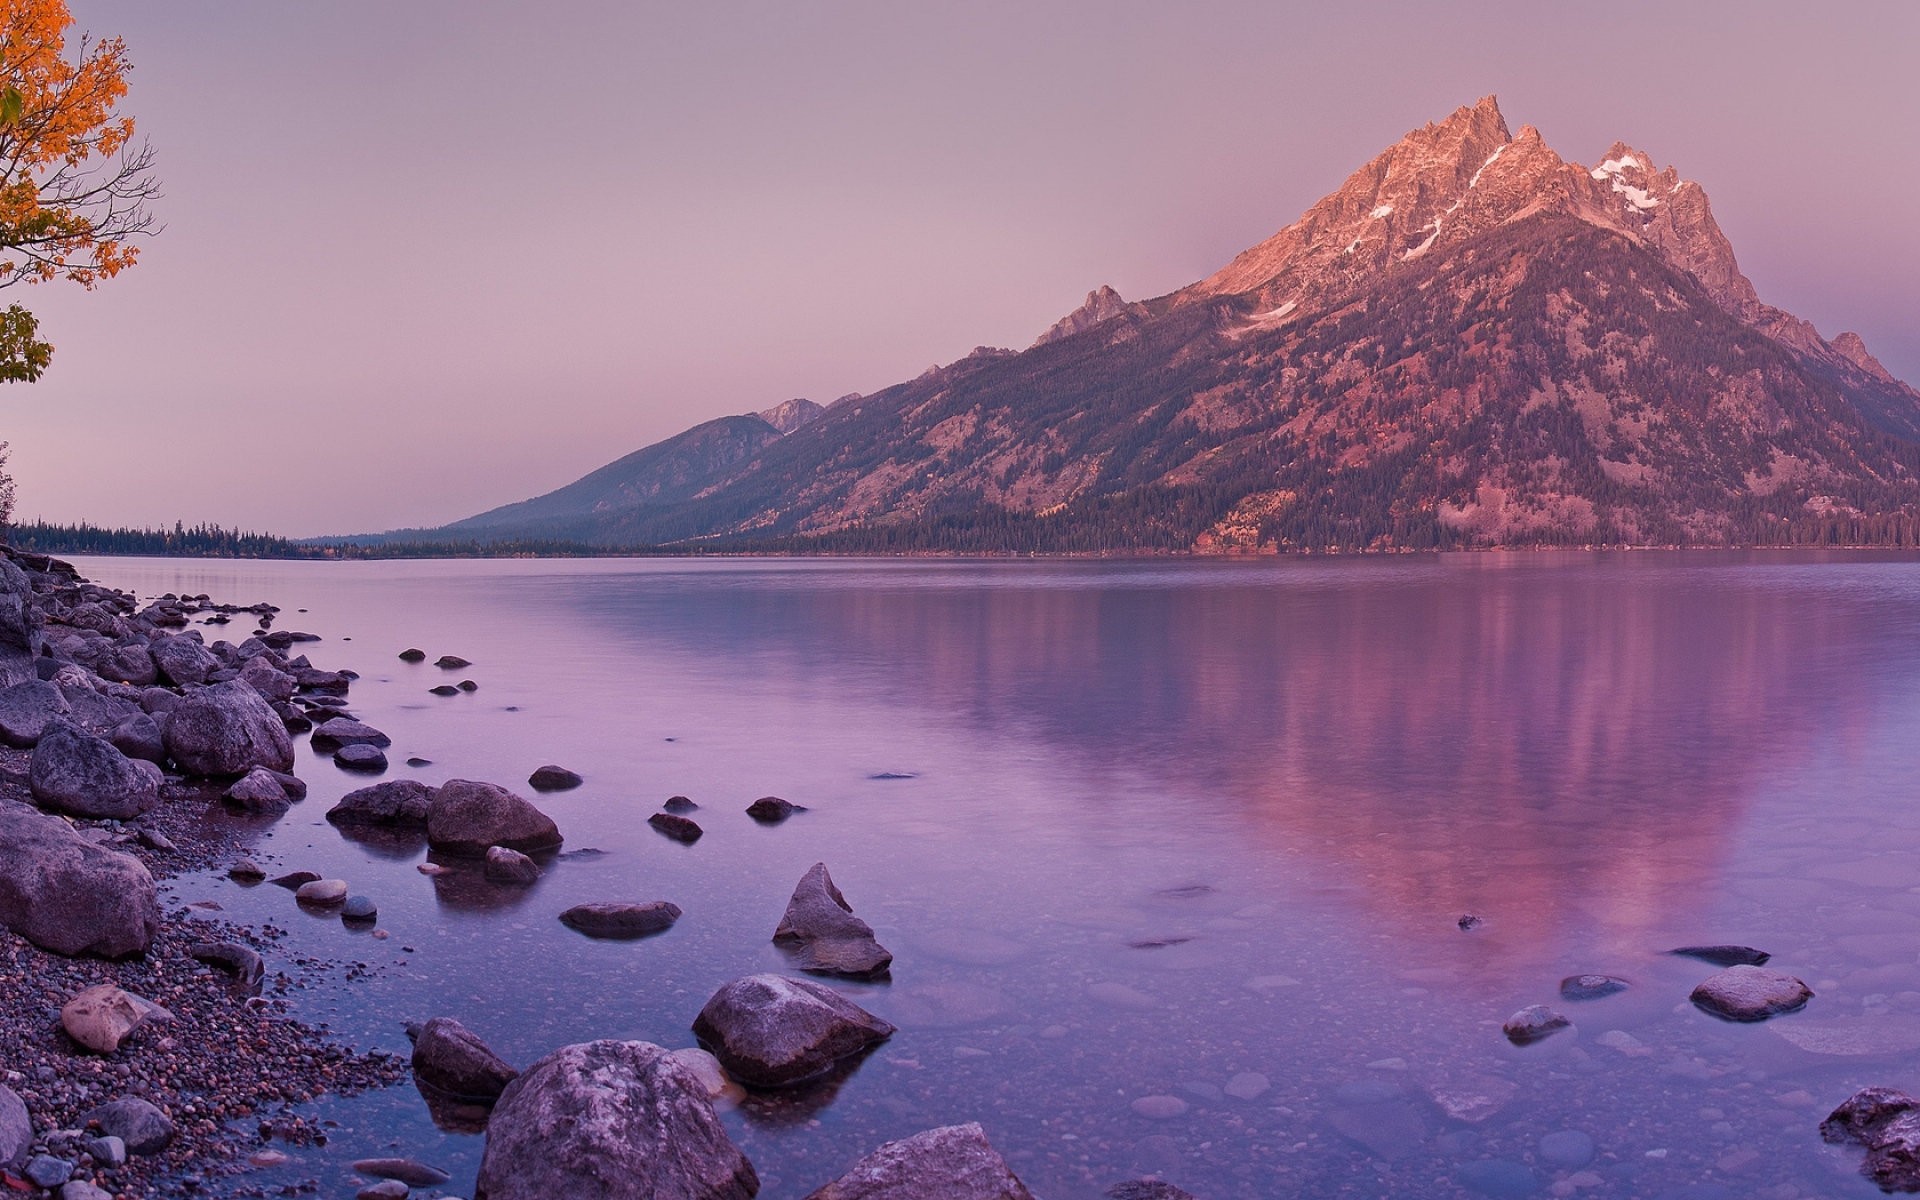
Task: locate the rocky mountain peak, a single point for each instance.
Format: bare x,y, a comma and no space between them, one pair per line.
1854,349
1101,305
791,415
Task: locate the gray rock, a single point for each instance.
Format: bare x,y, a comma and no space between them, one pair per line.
26,709
156,700
510,866
227,730
821,934
80,1189
386,1189
610,1120
451,662
77,773
407,1171
260,790
144,1128
129,662
622,920
16,1127
64,894
46,1171
451,1058
141,736
552,778
681,829
360,757
107,1151
399,803
1749,993
94,711
771,810
263,677
322,893
772,1031
20,619
246,871
183,660
1591,987
359,908
413,655
1887,1122
955,1162
1534,1023
467,817
341,731
1146,1189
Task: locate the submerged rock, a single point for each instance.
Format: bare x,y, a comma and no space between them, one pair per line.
612,1121
772,1031
467,817
771,810
1591,987
1532,1024
622,920
1725,956
553,778
823,936
65,894
1147,1189
451,662
360,758
680,805
955,1162
681,829
509,866
449,1056
407,1171
1749,993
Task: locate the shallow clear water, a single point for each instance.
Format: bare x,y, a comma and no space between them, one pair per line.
1167,824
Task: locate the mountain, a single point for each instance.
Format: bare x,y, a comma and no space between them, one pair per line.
1472,342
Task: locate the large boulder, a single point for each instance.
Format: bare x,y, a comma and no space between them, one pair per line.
85,776
92,709
1887,1122
823,936
955,1162
449,1056
26,709
128,662
262,676
19,615
772,1031
183,660
67,895
467,817
141,736
227,729
610,1120
397,803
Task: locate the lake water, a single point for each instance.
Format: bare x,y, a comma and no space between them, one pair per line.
1146,829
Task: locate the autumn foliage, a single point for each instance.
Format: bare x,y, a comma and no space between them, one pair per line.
74,185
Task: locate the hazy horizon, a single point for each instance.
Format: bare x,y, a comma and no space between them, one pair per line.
421,262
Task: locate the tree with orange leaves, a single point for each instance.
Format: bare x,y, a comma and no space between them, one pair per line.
74,186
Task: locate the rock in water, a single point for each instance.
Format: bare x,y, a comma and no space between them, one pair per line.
413,655
16,1127
259,790
610,1120
681,829
1146,1189
386,1189
1590,987
227,729
771,810
1748,993
552,778
771,1031
398,803
103,1016
449,1056
359,909
1887,1123
1532,1024
955,1162
622,920
510,866
323,893
679,805
67,895
337,732
467,817
242,962
823,936
85,776
407,1171
144,1128
360,758
451,662
1725,956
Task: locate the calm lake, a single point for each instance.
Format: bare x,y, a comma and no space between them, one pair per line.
1200,831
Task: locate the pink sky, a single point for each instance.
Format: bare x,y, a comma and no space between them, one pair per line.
426,258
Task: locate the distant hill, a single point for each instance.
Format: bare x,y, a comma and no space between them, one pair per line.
1472,342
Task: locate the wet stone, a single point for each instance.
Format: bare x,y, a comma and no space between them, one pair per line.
681,829
553,778
407,1171
1146,1189
622,920
294,880
1532,1024
451,662
322,892
1749,993
386,1189
1725,956
679,804
359,908
771,810
413,655
360,758
1591,987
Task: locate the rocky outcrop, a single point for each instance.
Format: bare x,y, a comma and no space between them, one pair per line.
449,1056
820,933
610,1120
773,1031
467,817
955,1162
227,729
85,776
67,895
1101,306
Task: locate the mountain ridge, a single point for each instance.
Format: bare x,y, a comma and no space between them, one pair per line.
1593,367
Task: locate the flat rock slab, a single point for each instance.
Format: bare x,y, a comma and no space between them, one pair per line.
622,920
360,757
1749,993
1591,987
773,1031
1725,956
332,735
821,934
611,1121
955,1162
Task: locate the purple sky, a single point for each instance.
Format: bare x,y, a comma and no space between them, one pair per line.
424,258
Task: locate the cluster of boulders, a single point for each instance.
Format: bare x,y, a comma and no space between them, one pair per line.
1744,990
